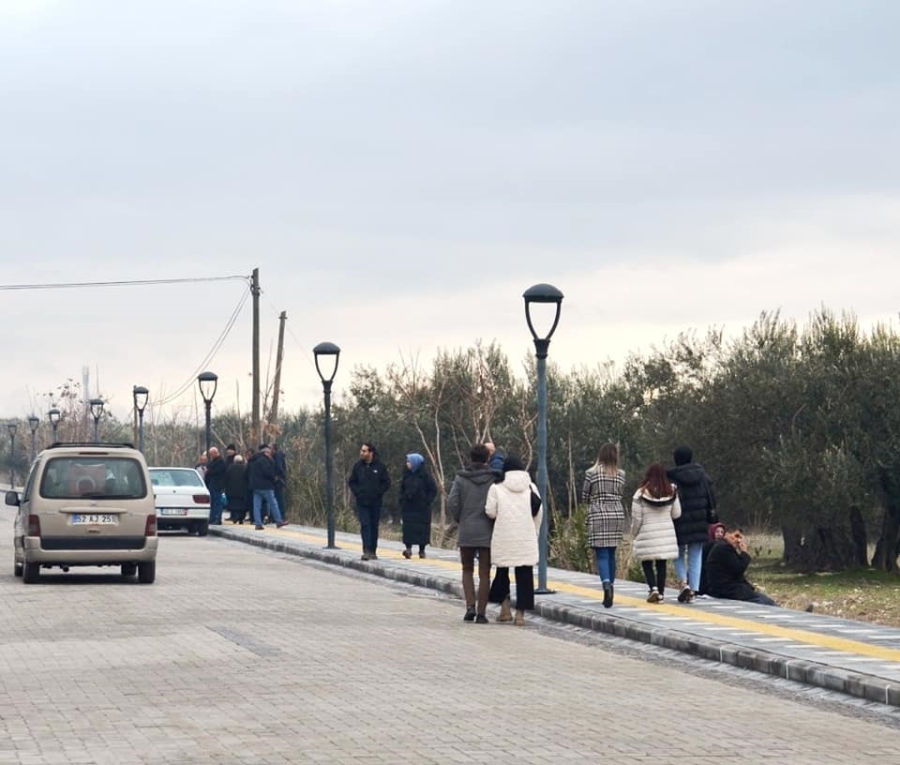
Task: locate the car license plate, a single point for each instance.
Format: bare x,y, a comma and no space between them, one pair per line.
173,511
94,519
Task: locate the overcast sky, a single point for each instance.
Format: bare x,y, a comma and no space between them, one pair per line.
400,171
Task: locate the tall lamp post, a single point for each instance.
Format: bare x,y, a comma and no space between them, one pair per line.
96,405
54,417
333,352
208,382
141,395
542,293
33,423
11,427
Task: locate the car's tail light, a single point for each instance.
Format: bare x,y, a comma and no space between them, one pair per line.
201,499
150,526
34,526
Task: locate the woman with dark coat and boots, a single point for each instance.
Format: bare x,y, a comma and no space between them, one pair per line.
417,492
236,489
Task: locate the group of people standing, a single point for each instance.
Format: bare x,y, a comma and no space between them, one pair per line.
238,485
497,510
673,517
498,513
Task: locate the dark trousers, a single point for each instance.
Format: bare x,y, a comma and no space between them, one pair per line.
524,587
467,557
279,498
659,579
369,518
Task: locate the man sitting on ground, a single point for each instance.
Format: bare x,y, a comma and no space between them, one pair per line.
726,566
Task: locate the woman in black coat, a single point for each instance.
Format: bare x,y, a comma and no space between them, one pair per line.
236,489
417,492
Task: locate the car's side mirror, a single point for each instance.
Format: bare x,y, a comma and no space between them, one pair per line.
12,498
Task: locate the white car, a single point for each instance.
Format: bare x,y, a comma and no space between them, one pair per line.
182,499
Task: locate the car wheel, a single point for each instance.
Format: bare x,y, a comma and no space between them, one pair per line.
17,568
31,573
147,572
203,529
129,569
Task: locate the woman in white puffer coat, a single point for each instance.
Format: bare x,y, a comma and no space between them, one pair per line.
653,511
515,506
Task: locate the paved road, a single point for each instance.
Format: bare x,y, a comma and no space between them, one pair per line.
239,655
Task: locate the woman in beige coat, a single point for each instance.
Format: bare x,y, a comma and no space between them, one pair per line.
653,511
515,505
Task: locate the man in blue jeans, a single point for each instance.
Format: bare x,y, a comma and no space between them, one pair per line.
261,482
215,482
698,504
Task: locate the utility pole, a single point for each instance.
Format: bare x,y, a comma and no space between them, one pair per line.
279,355
254,423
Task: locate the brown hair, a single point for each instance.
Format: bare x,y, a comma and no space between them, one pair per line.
608,457
655,482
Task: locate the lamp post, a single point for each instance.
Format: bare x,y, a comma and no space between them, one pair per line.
96,405
11,427
141,395
33,423
208,382
54,416
332,351
542,293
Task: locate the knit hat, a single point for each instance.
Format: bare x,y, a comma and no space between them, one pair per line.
415,461
512,463
682,455
231,448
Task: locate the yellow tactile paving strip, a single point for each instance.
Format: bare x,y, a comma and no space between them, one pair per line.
685,612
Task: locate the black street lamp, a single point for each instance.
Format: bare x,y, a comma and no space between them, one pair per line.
332,351
96,405
542,293
54,415
141,396
11,427
33,423
208,382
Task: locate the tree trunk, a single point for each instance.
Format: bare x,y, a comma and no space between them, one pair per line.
885,557
819,548
860,539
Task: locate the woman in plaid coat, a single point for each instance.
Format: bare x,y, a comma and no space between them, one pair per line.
602,492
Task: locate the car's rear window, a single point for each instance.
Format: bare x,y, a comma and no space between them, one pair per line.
100,476
176,477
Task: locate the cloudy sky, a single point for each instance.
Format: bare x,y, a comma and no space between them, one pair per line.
400,171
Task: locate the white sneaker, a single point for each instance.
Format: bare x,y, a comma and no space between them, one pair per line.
653,597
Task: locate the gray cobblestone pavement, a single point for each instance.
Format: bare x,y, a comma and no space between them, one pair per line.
858,659
237,656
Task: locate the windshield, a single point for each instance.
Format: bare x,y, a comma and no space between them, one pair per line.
93,476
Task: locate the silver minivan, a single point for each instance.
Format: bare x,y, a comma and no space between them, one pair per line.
86,505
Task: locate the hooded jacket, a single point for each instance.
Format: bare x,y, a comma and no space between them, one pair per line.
466,503
652,527
515,530
695,492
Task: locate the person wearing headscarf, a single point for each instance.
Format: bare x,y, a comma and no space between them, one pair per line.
417,492
517,520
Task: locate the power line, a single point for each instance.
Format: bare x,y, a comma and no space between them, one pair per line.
209,356
77,285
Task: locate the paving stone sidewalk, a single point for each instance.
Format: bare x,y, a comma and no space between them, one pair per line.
859,659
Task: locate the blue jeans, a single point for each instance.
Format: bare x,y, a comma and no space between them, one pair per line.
215,507
694,559
269,496
605,558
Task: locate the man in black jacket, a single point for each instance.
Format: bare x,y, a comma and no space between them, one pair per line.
726,567
698,503
261,482
368,481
